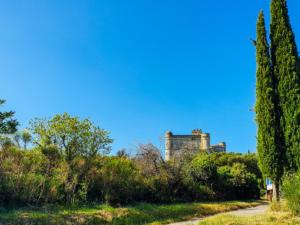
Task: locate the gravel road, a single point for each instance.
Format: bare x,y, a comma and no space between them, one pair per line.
240,212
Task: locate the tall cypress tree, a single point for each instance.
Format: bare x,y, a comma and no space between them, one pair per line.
284,62
268,136
298,67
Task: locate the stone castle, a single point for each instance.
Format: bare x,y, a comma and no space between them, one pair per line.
197,141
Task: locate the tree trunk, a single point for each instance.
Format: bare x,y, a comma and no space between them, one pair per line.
276,195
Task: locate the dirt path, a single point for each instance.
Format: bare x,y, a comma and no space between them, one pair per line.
240,212
250,211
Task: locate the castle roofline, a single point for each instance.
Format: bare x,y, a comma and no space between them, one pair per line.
195,132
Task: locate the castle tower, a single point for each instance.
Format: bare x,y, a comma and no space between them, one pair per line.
205,141
168,145
194,142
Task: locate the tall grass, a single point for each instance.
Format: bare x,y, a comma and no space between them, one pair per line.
291,192
104,215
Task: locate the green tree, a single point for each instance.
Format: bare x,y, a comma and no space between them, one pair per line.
298,67
284,57
268,137
72,136
8,125
228,159
77,143
203,170
244,184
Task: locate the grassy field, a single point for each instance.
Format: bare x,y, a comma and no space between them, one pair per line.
278,217
104,214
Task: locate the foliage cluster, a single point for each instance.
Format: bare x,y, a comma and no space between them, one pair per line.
46,174
291,192
64,160
277,96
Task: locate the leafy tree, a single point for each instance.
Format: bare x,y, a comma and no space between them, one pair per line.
228,159
203,170
270,152
244,183
74,143
223,176
284,56
8,125
72,136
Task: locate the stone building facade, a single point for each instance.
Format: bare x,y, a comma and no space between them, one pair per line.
197,141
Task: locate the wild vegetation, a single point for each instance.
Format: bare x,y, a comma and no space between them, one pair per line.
138,214
68,163
291,192
60,171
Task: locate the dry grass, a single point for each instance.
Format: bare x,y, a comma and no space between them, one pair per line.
132,215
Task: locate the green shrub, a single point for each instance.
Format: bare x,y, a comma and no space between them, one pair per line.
291,192
43,175
225,176
245,184
118,181
203,170
21,176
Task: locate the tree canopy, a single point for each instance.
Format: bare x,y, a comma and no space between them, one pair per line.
72,136
8,125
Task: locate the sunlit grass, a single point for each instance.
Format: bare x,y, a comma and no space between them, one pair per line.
276,215
271,218
142,213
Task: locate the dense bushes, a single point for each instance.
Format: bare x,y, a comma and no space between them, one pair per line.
42,175
227,175
21,175
34,178
118,180
217,176
203,170
68,164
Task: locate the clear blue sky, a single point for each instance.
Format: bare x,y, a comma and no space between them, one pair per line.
136,68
